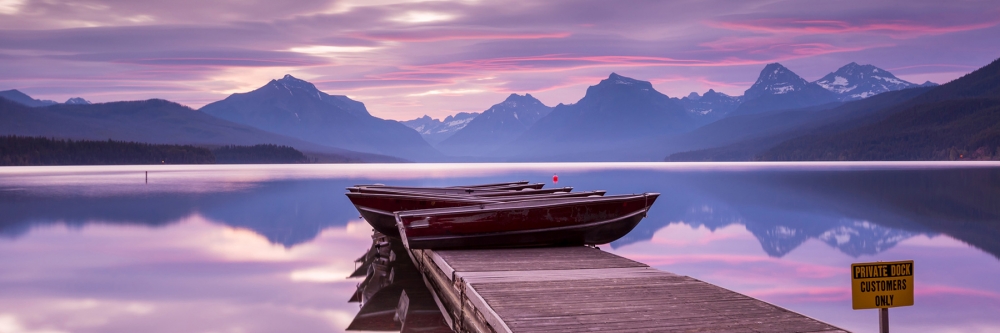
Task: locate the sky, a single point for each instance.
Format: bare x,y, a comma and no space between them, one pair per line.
405,59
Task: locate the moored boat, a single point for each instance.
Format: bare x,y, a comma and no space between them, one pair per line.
521,182
378,208
540,222
449,190
457,192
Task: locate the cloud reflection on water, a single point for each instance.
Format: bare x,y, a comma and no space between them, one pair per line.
249,247
107,278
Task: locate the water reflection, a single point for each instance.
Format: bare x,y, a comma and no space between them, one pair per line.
248,247
285,212
393,296
859,213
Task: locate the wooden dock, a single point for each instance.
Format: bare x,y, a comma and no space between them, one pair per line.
578,289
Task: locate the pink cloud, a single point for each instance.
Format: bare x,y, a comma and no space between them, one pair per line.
219,62
562,62
535,86
893,28
927,290
804,293
780,48
443,35
964,67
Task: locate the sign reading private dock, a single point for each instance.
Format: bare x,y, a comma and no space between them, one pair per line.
882,284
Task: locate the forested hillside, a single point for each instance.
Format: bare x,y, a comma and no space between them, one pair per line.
19,150
24,151
258,154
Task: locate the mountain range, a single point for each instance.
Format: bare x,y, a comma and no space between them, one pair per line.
855,112
711,106
24,99
435,130
295,108
853,82
955,121
613,116
778,88
152,121
500,124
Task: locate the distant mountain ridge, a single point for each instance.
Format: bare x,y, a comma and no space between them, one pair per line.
152,121
712,105
778,88
500,124
77,100
954,121
605,124
618,119
435,131
16,96
296,108
22,98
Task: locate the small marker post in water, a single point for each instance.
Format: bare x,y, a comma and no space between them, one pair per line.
555,178
147,177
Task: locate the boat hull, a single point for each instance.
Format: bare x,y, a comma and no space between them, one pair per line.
449,190
487,192
569,223
378,209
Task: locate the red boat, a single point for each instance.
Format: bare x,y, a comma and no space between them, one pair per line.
378,208
572,221
449,190
456,191
522,182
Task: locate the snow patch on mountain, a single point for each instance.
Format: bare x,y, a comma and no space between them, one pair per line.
77,100
711,105
435,130
775,79
854,81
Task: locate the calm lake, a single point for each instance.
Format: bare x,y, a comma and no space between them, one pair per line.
268,248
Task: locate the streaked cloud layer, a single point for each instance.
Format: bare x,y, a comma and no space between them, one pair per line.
409,58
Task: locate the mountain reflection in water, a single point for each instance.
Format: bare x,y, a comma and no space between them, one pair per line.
783,234
858,212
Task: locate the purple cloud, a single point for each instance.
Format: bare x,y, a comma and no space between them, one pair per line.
393,52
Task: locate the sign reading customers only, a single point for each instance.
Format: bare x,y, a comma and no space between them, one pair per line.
882,284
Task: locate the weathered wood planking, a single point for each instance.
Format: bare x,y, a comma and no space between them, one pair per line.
529,259
577,289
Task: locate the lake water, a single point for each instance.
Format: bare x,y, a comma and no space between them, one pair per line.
269,248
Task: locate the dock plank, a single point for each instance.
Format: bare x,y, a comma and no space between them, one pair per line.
533,259
581,289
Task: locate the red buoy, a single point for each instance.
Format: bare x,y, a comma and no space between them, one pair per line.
555,178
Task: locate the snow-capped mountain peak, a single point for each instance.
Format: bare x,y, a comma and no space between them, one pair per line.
712,104
77,100
293,84
775,79
434,130
616,81
515,100
854,81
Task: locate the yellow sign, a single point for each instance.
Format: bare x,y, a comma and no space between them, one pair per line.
882,284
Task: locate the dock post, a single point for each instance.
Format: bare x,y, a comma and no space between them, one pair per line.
461,313
883,320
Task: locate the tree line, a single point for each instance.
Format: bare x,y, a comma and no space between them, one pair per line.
27,151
